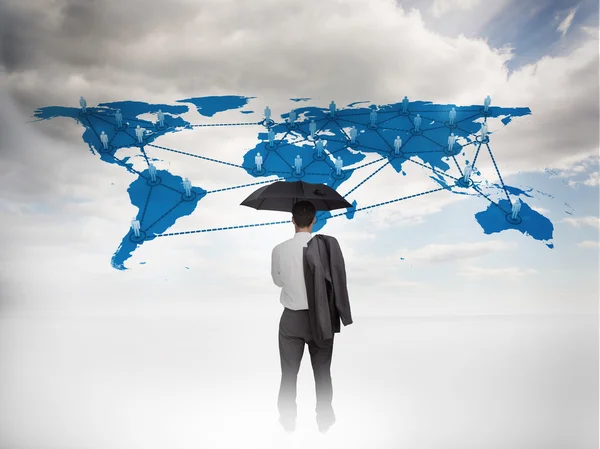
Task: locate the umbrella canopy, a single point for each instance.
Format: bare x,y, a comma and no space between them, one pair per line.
282,195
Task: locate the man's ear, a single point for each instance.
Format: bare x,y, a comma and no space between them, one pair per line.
314,220
293,220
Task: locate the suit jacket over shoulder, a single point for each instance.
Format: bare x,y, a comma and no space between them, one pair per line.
326,288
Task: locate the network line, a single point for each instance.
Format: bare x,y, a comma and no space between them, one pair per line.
458,166
499,175
226,228
401,130
194,155
368,177
145,155
353,122
270,181
97,114
369,163
445,110
488,198
320,214
341,129
435,170
433,141
387,120
227,124
146,205
476,153
281,143
163,215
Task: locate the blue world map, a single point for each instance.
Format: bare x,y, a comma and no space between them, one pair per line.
162,201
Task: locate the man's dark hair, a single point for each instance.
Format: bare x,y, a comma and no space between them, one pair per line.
303,213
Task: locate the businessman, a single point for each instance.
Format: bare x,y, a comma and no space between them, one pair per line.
300,266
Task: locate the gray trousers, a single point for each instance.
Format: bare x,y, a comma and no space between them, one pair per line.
294,333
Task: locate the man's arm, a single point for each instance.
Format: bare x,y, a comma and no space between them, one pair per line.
275,273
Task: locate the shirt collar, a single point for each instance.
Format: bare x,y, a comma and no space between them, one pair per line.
302,234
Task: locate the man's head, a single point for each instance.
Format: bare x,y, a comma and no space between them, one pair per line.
303,215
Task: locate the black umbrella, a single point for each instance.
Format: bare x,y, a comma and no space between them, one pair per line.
282,195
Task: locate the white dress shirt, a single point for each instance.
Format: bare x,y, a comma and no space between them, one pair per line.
287,270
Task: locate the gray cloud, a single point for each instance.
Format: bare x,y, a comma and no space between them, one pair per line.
162,51
80,33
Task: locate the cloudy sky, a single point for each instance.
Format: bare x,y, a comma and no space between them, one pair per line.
64,212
